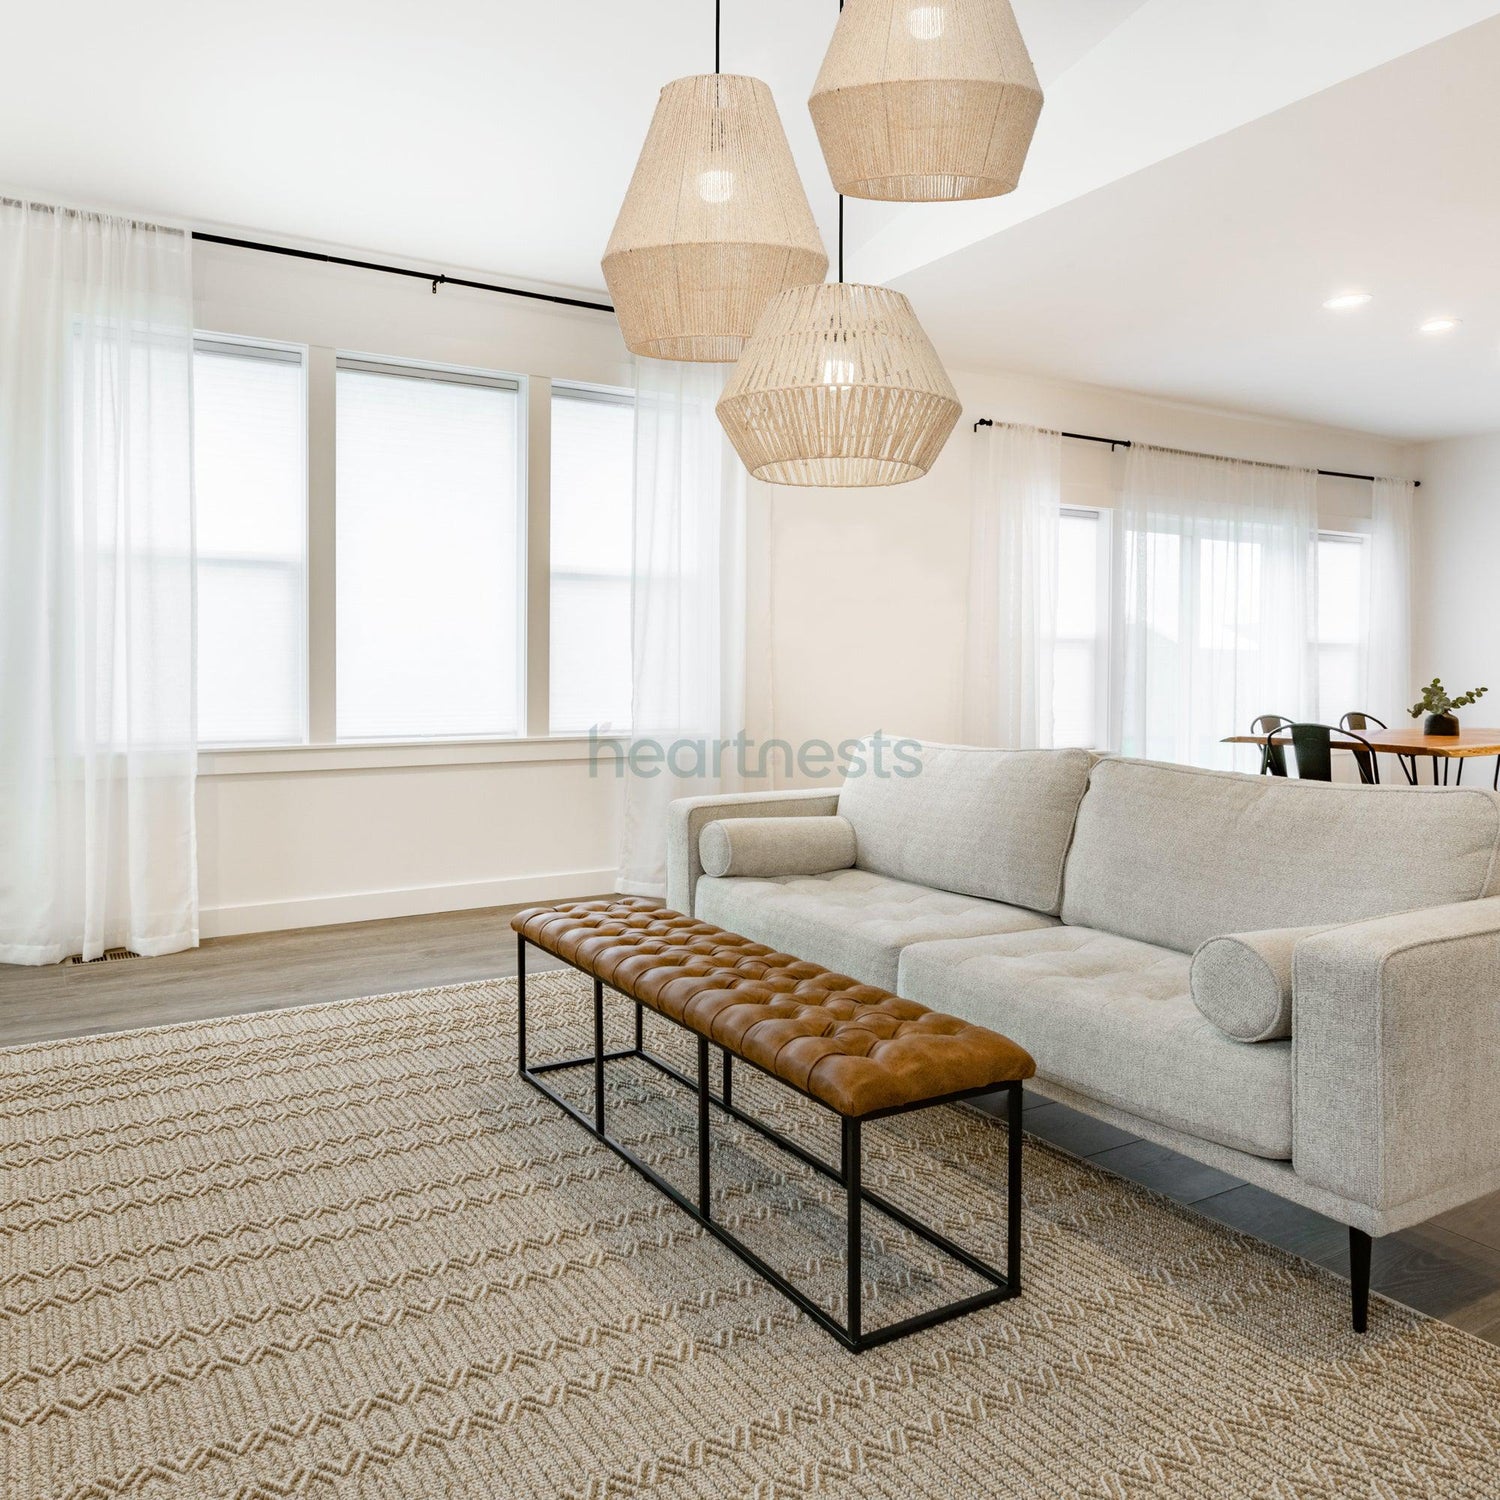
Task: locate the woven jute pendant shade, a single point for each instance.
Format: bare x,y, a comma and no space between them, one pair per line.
839,385
926,101
715,222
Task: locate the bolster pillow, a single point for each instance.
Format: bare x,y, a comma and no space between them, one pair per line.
1243,982
777,846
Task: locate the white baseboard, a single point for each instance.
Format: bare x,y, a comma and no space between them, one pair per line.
367,906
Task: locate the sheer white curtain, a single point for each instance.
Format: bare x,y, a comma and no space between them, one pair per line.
1214,608
96,587
689,609
1388,689
1012,619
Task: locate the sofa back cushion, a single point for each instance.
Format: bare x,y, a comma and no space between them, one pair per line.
988,823
1174,855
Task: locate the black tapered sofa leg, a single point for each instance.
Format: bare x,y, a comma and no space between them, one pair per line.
1359,1277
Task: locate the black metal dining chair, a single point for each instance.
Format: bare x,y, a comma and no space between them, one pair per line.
1272,757
1357,720
1313,746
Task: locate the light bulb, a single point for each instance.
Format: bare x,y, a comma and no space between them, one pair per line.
716,185
838,372
925,22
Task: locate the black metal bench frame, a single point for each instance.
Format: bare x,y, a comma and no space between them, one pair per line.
848,1173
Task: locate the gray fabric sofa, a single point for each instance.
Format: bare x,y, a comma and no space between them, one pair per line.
1295,982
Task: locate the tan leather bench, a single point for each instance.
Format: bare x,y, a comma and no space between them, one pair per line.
857,1049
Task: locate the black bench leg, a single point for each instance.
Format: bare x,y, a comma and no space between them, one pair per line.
639,1027
853,1193
727,1090
704,1184
521,1001
599,1056
1013,1191
1359,1277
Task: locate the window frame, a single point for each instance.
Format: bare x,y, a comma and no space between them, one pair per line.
1343,535
278,352
401,368
1104,518
575,390
320,750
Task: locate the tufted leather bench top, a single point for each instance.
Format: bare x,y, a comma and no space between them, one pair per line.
856,1048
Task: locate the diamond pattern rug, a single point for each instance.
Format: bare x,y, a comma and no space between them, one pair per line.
344,1251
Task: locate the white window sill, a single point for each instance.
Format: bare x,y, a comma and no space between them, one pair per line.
299,760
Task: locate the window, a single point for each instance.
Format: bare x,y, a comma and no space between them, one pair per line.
1080,657
251,488
430,587
1339,648
593,461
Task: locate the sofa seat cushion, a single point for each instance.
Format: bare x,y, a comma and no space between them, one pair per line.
1113,1019
850,921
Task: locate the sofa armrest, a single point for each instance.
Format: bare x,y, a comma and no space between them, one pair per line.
1396,1054
688,816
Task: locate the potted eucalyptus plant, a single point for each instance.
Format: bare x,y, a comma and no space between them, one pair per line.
1438,707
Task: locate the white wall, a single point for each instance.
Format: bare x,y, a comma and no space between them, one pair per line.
1457,629
868,598
299,837
870,586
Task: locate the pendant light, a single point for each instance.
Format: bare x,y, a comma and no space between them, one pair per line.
926,101
715,221
839,386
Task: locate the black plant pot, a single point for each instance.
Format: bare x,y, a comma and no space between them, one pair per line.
1441,724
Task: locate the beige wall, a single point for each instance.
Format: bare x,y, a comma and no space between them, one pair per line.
868,597
1457,628
299,837
870,586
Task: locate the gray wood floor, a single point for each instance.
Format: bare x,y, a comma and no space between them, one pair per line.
1448,1267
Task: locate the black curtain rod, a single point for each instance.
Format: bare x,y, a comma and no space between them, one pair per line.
375,265
1088,437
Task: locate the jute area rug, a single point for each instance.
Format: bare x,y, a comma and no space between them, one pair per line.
344,1251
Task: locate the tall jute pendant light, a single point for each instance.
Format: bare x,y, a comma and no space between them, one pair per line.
925,101
840,386
714,224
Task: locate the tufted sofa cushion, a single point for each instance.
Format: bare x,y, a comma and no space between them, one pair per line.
855,1047
1114,1020
851,920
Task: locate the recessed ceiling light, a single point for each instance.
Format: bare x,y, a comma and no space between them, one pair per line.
1439,325
1348,301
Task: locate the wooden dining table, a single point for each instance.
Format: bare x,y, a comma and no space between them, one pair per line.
1410,744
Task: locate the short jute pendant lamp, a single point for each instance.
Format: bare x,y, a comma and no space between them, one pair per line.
715,223
840,386
926,102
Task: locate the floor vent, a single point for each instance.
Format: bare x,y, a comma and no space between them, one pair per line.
108,956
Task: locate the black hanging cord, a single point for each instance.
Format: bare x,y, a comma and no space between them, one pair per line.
1088,437
375,265
718,26
841,204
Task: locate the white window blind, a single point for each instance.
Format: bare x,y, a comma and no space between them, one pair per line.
593,460
429,555
1341,626
251,496
1080,654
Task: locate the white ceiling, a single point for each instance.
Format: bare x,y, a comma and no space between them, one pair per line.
1182,215
1202,278
490,134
